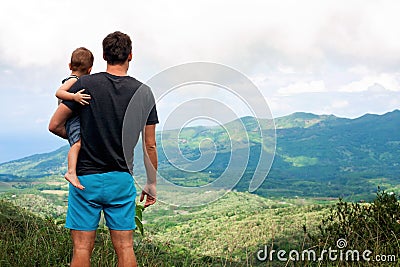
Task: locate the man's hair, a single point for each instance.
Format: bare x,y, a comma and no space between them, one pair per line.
81,60
116,48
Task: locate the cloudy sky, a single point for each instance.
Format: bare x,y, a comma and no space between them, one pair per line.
325,57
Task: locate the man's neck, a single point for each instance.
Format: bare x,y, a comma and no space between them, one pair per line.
118,70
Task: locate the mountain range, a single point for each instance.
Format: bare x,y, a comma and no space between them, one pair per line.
315,155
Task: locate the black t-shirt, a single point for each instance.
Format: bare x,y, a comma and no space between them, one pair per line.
102,120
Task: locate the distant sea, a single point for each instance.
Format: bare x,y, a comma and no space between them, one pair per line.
18,146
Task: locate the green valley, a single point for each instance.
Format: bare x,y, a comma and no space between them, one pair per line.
320,161
316,155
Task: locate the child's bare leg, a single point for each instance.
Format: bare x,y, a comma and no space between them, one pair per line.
70,175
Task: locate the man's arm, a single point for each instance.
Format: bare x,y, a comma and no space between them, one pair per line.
57,122
150,163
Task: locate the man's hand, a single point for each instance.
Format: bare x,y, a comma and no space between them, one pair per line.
81,98
149,191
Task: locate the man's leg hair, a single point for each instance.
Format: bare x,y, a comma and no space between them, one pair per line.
83,244
123,245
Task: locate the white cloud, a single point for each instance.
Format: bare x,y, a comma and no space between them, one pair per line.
298,35
303,87
279,106
387,81
359,70
306,55
339,104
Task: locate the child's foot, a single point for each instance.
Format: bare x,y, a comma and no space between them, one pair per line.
73,179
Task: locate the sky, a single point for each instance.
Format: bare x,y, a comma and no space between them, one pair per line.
324,57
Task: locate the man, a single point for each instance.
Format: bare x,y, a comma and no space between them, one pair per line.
104,181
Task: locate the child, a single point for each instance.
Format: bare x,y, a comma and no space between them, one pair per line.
81,64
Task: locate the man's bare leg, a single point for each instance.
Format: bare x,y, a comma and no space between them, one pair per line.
70,175
83,242
123,245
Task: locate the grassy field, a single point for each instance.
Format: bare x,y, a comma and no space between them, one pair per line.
235,227
227,232
4,187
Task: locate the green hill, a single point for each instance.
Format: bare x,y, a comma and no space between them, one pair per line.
304,120
316,155
340,157
35,166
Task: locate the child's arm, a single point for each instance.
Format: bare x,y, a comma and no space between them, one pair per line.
63,94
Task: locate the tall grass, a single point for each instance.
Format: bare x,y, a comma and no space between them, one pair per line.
364,226
30,240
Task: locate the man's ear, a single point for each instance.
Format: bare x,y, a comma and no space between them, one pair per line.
70,66
104,56
89,70
130,56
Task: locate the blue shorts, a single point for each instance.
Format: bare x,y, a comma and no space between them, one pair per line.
73,129
113,193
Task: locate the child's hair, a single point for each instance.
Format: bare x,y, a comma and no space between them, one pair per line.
116,48
81,60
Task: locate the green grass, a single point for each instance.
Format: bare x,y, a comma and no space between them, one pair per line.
29,240
236,226
227,232
4,187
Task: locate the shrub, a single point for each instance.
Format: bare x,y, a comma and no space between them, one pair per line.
363,226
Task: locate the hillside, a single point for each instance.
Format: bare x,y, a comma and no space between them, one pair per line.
35,166
29,240
316,155
212,235
341,156
228,232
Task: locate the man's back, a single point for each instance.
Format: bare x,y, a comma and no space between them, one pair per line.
102,121
103,185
